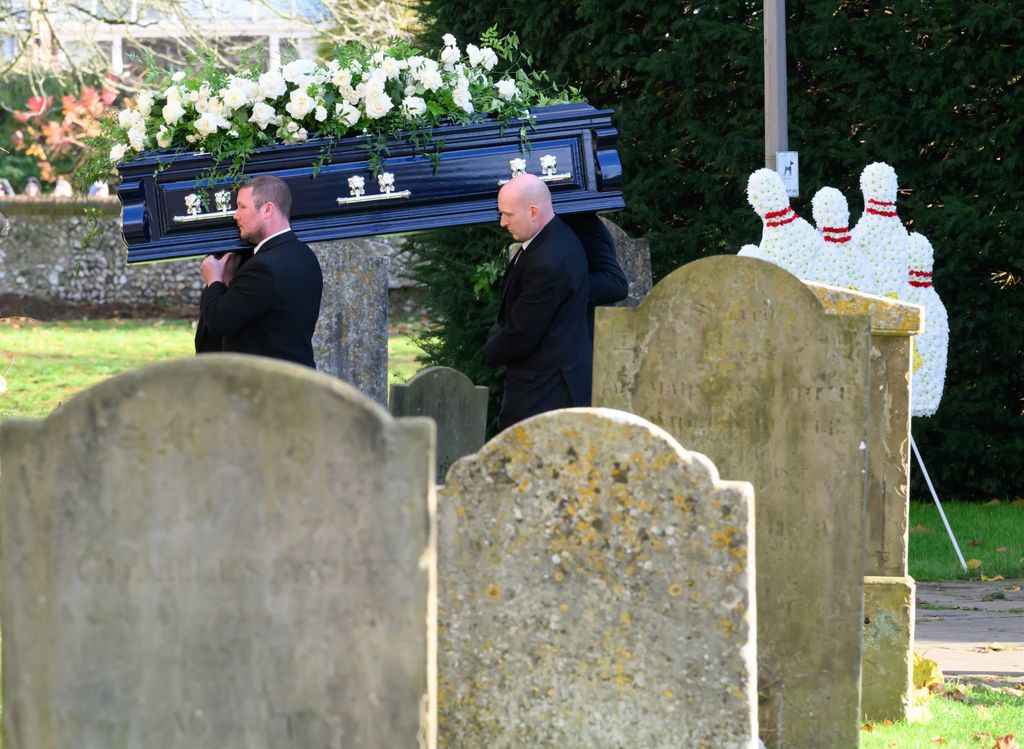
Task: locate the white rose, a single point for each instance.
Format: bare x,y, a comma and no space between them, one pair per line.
378,58
234,97
163,137
413,106
117,152
172,112
416,62
378,104
431,79
390,68
476,57
450,55
144,101
300,104
173,94
178,77
125,118
271,85
507,89
215,107
247,86
449,40
347,113
342,79
321,114
376,79
263,114
297,69
488,58
301,135
463,100
137,137
207,124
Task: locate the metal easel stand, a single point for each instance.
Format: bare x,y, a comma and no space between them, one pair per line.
938,504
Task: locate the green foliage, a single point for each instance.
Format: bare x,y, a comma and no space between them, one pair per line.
932,88
463,311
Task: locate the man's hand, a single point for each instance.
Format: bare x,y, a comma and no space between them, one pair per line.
219,269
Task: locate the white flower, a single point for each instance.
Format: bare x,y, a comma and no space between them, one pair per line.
321,114
137,137
342,79
507,89
247,86
129,118
390,68
450,56
163,137
215,106
207,124
489,58
378,104
118,151
376,79
173,94
300,104
271,85
234,97
413,106
476,57
449,40
296,69
172,112
431,79
347,113
178,77
263,114
144,101
463,100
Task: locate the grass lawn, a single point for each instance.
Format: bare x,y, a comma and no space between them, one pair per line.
45,364
991,538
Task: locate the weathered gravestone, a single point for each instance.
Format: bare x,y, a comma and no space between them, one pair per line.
223,552
594,590
737,359
457,406
351,336
887,662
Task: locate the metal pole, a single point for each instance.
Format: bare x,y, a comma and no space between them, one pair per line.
928,480
776,126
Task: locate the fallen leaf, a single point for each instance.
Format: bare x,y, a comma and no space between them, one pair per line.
973,564
926,672
1006,742
869,727
996,646
958,696
981,650
961,688
1012,589
1002,549
1019,501
886,722
922,529
975,542
981,736
993,502
996,577
938,740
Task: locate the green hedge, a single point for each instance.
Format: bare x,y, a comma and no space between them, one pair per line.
933,88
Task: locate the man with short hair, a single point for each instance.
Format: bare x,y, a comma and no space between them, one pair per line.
269,305
542,335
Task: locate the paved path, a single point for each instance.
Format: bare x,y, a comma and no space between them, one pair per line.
957,623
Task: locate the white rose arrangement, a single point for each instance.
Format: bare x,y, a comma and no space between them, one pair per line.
380,93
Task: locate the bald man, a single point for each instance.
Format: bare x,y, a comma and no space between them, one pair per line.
542,335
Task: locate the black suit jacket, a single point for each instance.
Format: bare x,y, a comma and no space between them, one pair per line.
607,281
271,307
542,333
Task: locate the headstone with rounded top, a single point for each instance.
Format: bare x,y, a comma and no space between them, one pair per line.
737,359
595,591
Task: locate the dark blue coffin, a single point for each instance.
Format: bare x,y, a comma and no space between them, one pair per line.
571,147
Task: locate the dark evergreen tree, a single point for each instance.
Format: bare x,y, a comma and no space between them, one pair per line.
933,88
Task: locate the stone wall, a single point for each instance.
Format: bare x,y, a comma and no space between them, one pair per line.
42,257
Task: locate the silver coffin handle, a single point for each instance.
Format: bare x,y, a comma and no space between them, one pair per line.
375,198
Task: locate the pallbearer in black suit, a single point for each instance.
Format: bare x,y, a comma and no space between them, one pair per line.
608,283
542,333
269,305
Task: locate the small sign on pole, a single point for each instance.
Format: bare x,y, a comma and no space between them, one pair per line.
787,164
